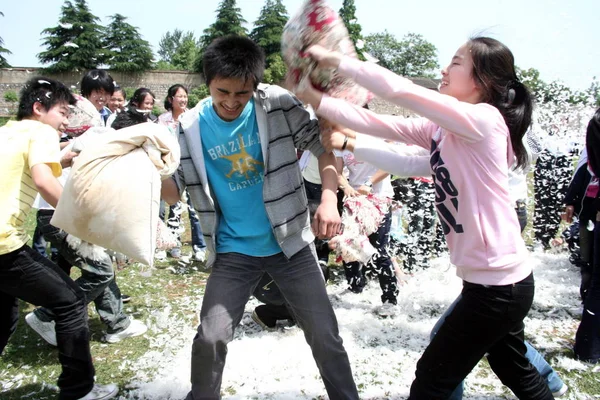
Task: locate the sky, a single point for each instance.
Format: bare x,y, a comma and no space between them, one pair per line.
555,37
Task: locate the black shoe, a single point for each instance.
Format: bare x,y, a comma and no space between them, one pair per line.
125,298
268,324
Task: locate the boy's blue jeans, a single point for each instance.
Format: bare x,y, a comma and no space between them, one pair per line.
174,221
535,358
233,278
97,278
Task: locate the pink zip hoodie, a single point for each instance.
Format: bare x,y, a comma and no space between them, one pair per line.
470,154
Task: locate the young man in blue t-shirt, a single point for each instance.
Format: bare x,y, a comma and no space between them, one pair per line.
238,161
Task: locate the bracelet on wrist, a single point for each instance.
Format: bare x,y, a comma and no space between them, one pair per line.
345,143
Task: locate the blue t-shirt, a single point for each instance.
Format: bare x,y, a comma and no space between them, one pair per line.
235,169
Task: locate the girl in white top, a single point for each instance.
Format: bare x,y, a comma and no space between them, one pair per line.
474,129
365,179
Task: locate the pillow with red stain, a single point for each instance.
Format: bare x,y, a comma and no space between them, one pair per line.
317,23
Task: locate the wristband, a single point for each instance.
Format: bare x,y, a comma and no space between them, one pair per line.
345,143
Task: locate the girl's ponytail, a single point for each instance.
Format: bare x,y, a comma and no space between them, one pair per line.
494,72
517,108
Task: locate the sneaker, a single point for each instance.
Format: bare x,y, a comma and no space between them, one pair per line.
576,312
264,323
160,255
47,330
125,298
386,310
175,252
200,255
564,388
135,328
101,392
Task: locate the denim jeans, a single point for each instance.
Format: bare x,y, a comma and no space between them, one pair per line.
535,358
174,221
38,243
97,278
233,279
381,264
26,275
521,210
486,319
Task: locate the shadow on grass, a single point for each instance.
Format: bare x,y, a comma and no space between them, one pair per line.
37,391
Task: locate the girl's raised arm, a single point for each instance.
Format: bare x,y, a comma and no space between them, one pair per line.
399,129
390,158
469,121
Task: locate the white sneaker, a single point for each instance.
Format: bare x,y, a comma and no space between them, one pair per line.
564,388
102,392
47,330
200,255
386,310
576,311
160,255
135,328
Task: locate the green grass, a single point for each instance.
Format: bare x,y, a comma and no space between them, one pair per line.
29,359
4,120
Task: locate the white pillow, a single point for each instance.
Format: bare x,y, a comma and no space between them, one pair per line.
111,198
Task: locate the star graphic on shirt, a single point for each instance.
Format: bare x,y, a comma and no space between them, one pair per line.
242,163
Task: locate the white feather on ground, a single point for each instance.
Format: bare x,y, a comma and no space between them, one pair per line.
383,352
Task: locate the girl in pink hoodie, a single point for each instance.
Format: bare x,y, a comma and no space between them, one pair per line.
473,129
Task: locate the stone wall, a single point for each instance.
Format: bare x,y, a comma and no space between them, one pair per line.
13,79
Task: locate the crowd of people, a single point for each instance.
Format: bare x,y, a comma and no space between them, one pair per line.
264,172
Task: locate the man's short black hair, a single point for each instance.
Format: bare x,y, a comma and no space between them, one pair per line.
96,79
129,117
234,56
48,92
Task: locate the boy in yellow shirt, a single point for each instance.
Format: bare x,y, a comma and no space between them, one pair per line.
30,162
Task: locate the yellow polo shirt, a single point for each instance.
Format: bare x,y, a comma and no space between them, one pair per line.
23,144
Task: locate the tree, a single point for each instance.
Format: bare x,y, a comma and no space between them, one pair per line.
555,92
76,43
385,47
178,50
126,49
3,50
348,15
418,56
268,28
186,53
594,92
276,71
197,94
267,32
168,44
229,22
531,78
413,56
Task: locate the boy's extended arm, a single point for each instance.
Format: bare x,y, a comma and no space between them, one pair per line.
169,191
326,223
47,185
